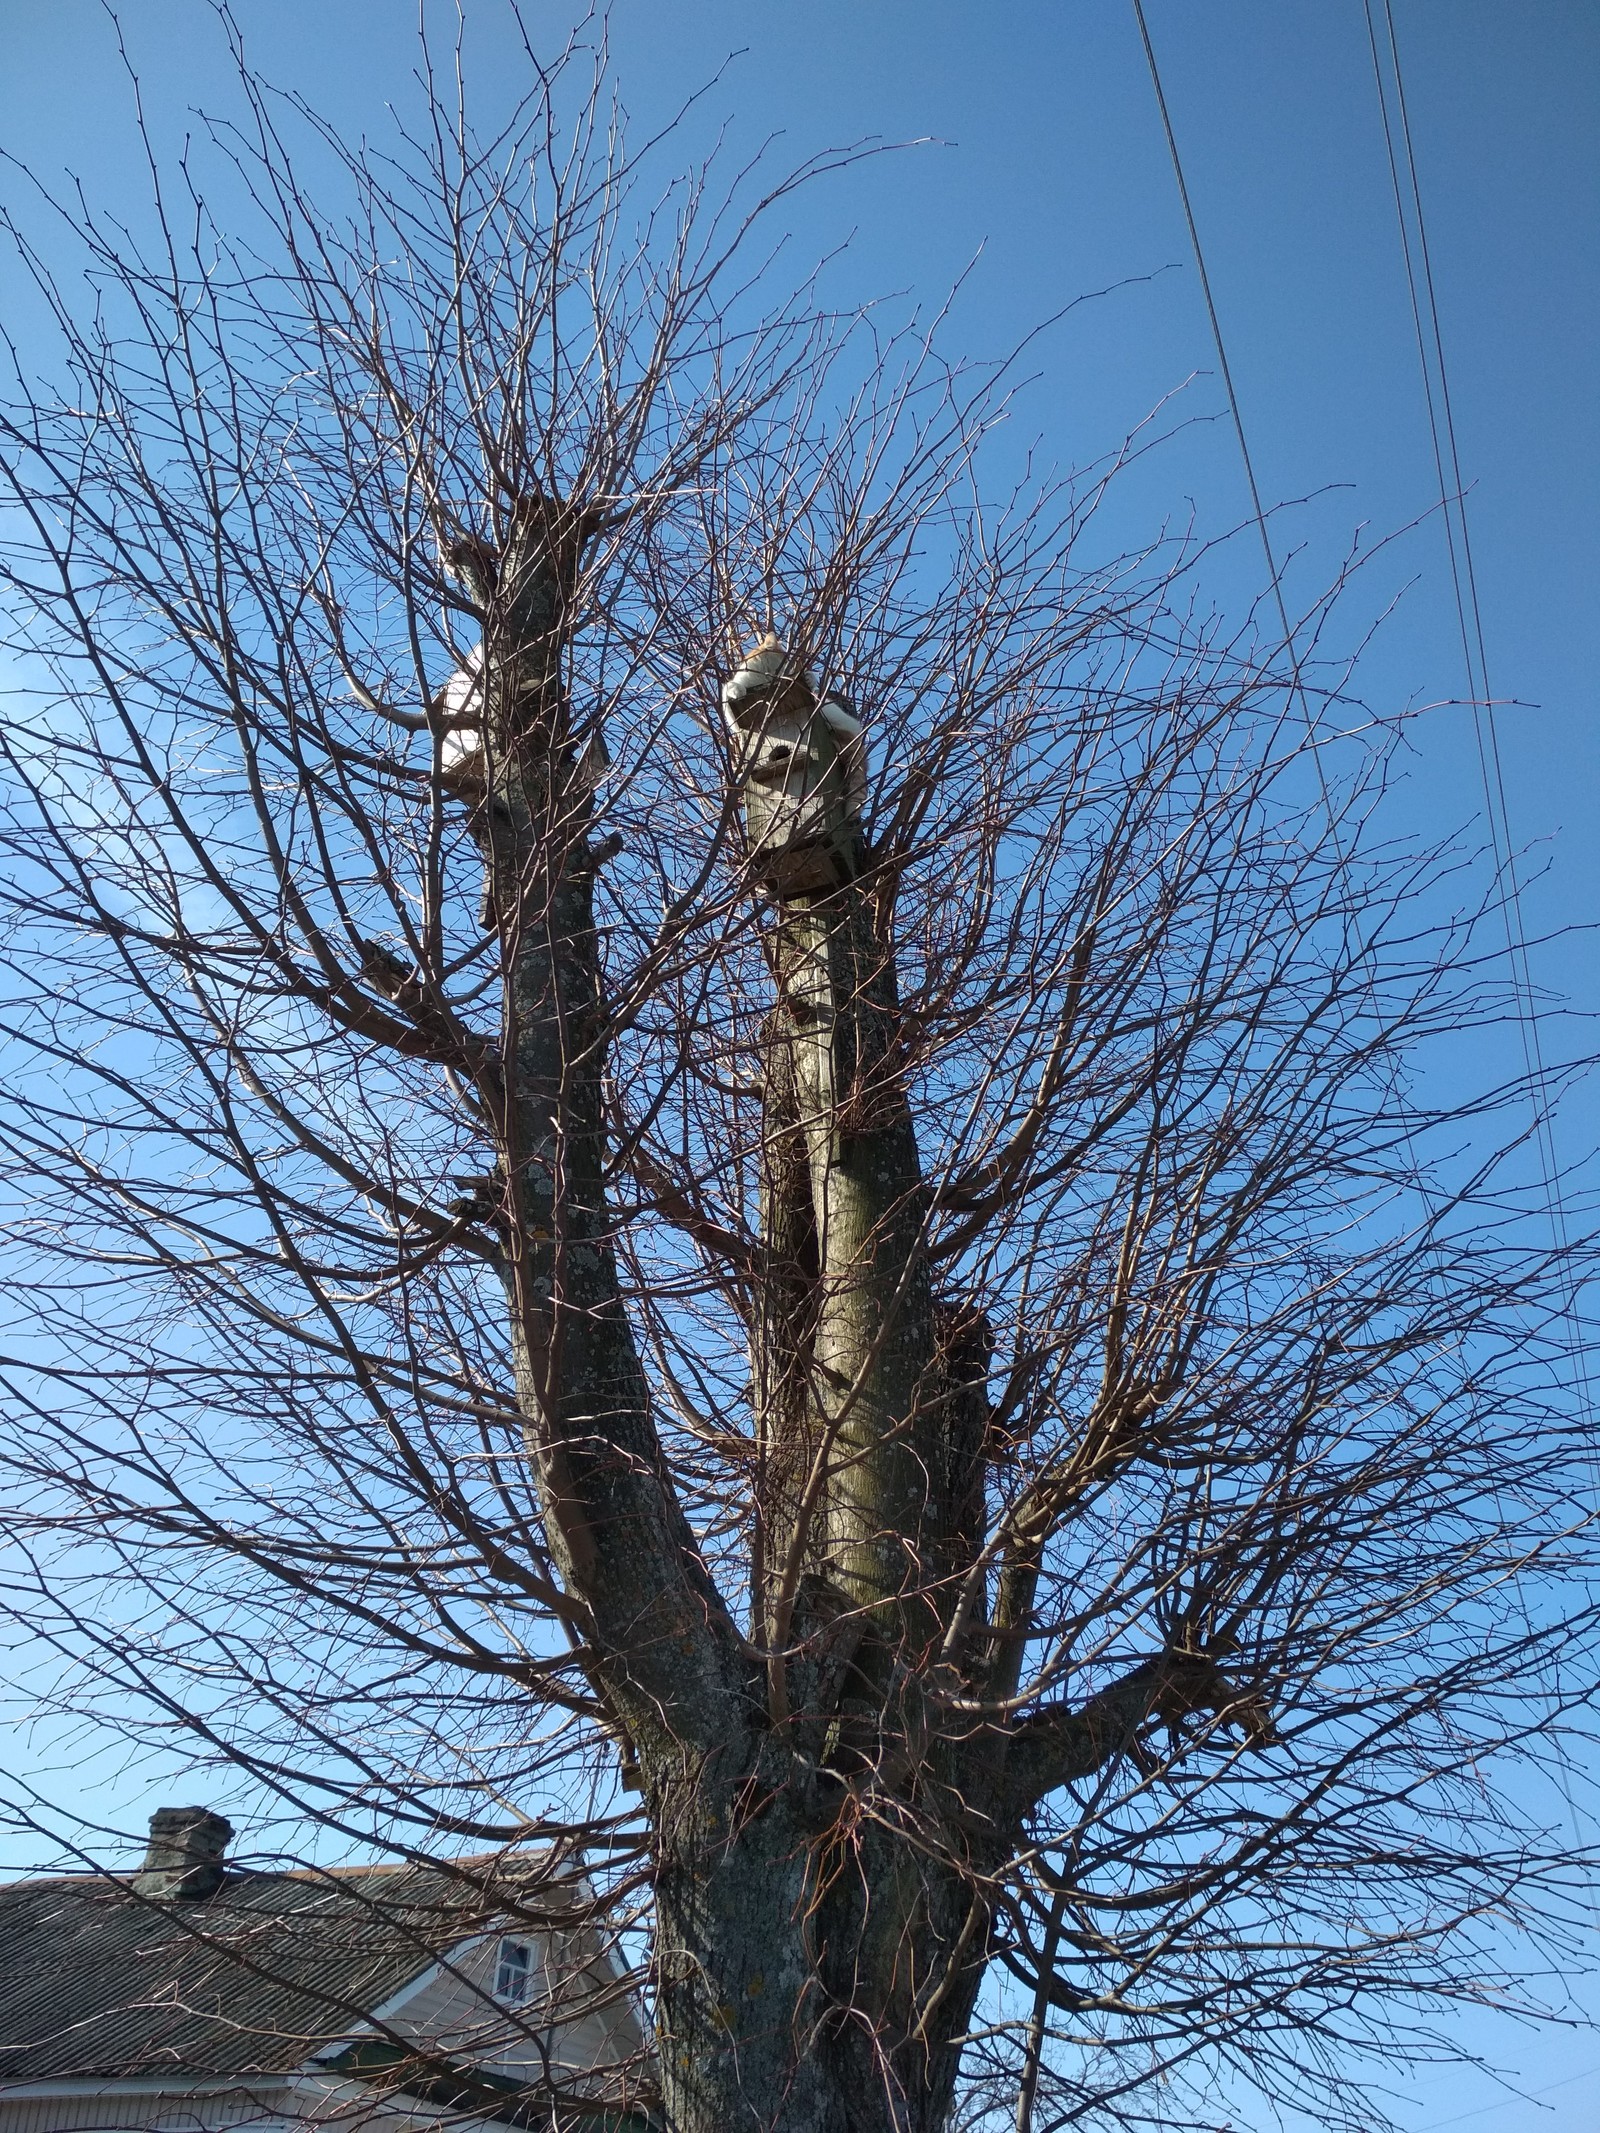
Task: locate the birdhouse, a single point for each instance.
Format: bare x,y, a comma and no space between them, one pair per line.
458,712
801,769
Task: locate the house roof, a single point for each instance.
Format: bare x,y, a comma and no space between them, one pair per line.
97,1981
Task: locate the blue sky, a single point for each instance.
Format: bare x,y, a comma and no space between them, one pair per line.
1046,172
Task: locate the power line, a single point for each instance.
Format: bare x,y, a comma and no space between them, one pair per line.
1211,313
1463,576
1447,460
1436,2125
1475,660
1452,497
1274,574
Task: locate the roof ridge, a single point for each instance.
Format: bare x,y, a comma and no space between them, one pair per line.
416,1866
85,1877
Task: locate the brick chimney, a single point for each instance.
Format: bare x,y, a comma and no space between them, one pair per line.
184,1857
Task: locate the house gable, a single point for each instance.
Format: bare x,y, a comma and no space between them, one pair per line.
230,1984
573,2017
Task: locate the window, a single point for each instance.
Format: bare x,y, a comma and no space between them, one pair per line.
514,1972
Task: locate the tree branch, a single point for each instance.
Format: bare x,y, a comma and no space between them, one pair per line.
1060,1744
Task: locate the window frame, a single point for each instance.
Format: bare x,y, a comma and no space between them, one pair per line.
509,1972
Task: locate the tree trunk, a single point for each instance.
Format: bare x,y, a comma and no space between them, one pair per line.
820,1938
812,1972
663,1648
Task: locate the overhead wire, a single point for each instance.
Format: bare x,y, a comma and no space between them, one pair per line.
1463,577
1407,191
1452,498
1464,581
1211,313
1447,460
1297,687
1274,573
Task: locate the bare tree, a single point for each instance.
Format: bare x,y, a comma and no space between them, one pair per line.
708,1155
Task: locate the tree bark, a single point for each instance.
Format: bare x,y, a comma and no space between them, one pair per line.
821,1929
666,1656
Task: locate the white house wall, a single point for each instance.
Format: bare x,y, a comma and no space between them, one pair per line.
267,2106
454,2010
